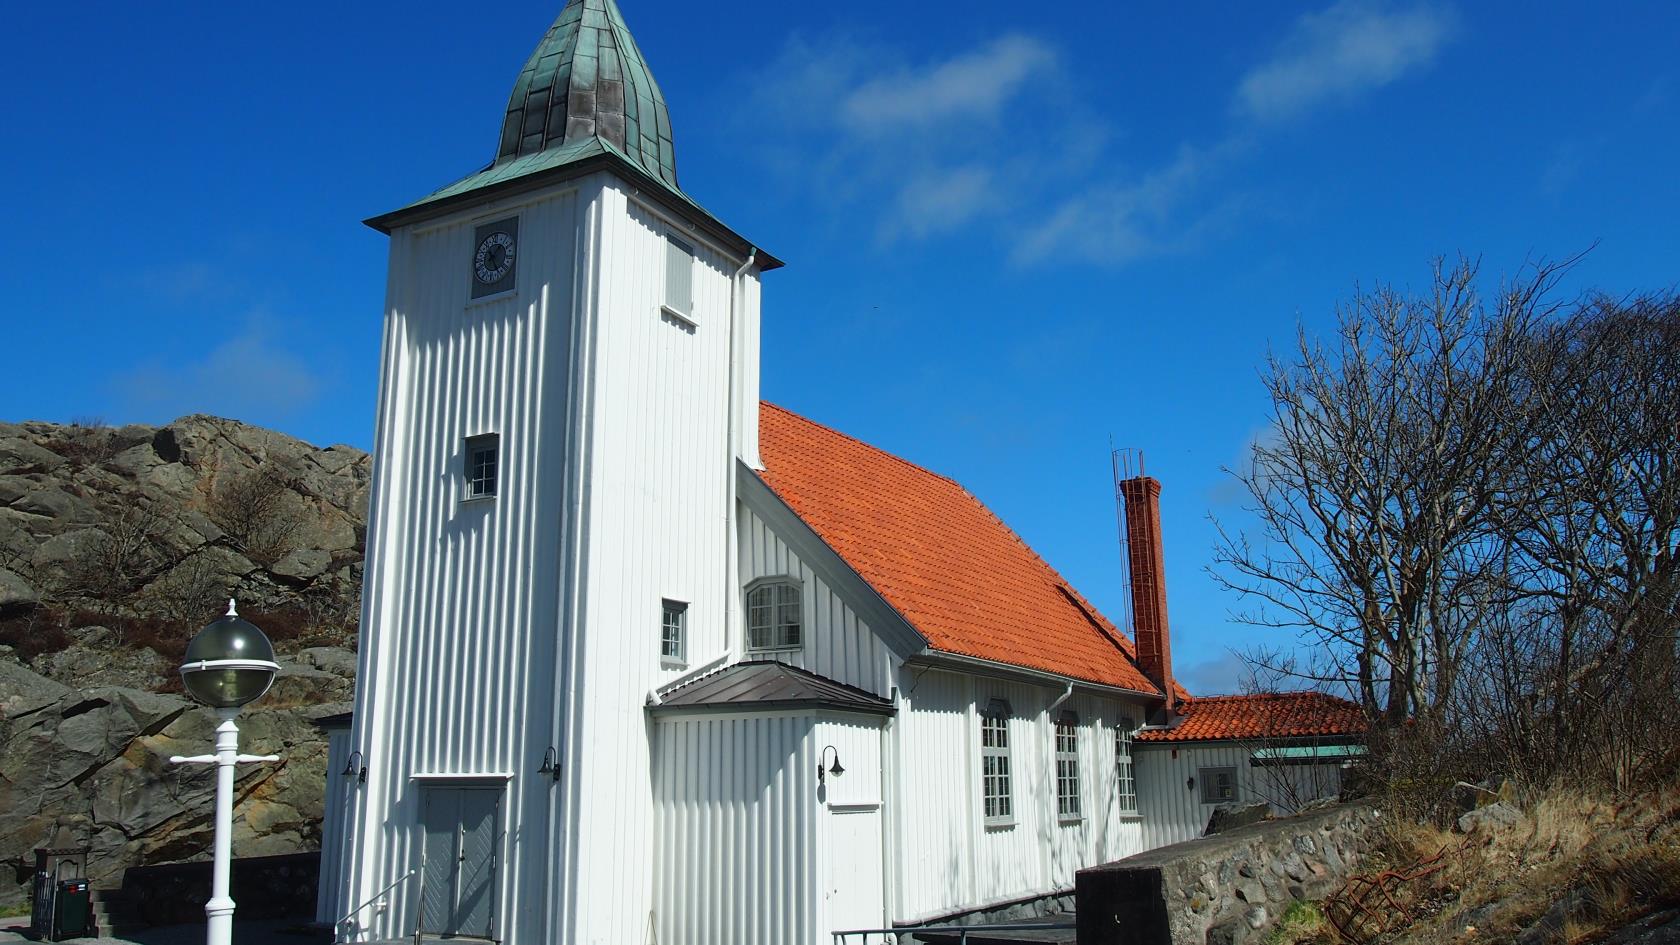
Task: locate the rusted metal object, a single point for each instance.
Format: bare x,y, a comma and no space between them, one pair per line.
1372,905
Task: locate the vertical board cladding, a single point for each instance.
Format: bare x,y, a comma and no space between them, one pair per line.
835,642
951,859
334,810
660,487
1173,809
736,825
460,594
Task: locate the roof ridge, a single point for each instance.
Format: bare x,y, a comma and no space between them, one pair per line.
866,445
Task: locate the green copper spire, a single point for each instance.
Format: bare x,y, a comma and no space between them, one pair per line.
585,80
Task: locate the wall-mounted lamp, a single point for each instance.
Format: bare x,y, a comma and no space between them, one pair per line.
1190,784
835,769
355,767
551,764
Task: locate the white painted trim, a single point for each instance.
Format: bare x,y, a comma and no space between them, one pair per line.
500,777
686,230
671,313
979,666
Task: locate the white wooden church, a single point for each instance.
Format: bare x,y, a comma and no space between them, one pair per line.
646,660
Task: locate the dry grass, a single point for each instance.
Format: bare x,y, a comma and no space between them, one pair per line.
1581,866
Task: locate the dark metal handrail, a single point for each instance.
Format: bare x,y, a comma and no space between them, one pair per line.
961,930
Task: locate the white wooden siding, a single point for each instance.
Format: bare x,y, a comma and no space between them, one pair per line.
334,810
835,641
660,486
495,630
460,596
737,824
949,860
1173,811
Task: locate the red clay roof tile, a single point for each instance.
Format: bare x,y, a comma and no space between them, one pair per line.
934,552
1263,715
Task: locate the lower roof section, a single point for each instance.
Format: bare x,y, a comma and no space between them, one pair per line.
763,685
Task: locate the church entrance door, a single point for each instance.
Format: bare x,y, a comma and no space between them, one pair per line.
458,873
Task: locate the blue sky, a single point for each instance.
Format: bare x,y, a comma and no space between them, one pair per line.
1014,232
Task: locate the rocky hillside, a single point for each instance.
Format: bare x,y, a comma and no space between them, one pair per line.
116,545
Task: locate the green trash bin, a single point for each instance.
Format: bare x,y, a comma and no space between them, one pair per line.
72,907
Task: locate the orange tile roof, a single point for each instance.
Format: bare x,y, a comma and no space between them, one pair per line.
1264,715
949,566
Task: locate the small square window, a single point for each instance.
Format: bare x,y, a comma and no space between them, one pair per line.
673,632
1219,785
679,276
483,465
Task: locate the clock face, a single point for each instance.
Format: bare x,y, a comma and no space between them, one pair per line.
494,259
494,256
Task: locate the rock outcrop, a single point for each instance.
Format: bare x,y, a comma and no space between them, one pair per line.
115,546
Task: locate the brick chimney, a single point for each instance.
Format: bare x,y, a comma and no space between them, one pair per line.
1149,586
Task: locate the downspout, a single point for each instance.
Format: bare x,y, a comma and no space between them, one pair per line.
1060,699
729,536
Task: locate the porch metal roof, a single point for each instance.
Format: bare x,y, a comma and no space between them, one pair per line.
754,685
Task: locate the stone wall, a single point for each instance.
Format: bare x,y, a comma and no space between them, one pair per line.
1227,889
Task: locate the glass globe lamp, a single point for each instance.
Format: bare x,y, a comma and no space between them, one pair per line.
229,663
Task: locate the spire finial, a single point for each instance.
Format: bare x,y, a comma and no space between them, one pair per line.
232,610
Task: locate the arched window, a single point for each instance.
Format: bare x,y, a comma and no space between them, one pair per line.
773,615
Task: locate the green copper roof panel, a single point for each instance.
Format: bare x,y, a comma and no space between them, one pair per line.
587,79
584,95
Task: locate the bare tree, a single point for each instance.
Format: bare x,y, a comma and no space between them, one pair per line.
256,510
1374,492
1475,509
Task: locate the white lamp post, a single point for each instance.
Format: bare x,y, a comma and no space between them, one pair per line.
228,664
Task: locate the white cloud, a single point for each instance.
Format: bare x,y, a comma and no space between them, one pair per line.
1227,674
1120,221
974,85
940,202
248,376
1334,55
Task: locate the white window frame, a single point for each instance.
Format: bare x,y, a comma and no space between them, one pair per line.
1206,778
786,596
997,803
673,633
472,471
1066,734
1125,770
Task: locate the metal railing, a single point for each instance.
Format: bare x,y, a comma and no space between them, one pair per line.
961,931
339,926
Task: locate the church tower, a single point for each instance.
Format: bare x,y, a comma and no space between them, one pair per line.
569,380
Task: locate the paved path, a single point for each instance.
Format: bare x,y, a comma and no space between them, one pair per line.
253,932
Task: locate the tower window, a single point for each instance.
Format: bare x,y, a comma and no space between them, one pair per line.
673,632
483,465
773,616
679,276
